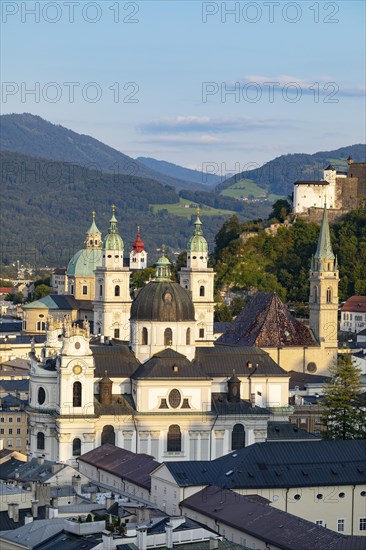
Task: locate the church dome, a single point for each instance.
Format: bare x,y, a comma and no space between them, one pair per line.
164,301
84,262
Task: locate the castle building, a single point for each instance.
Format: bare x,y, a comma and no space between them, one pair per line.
341,190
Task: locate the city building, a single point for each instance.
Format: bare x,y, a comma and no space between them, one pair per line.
353,314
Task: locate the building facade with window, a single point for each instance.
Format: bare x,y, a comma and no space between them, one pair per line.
353,314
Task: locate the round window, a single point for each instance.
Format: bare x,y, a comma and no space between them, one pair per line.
41,315
41,396
174,399
77,345
311,367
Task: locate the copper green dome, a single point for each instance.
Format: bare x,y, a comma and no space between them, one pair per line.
164,301
197,243
84,263
113,241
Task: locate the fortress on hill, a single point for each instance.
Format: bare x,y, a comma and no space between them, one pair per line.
341,191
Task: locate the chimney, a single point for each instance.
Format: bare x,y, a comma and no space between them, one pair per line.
141,538
169,535
252,399
107,538
1,444
40,460
10,510
16,513
56,467
35,508
28,518
214,543
102,339
142,514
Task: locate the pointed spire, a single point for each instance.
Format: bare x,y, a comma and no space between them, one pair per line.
138,244
93,235
324,250
113,240
197,243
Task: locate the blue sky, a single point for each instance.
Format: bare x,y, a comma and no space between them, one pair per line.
153,78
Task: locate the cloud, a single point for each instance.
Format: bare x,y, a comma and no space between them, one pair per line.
325,85
208,126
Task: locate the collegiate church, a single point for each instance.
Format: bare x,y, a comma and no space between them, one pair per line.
152,379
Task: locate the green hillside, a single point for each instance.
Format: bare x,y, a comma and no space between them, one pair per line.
278,176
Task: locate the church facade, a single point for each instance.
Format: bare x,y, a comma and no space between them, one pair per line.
169,390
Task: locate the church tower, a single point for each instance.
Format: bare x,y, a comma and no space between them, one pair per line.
112,288
138,254
198,279
324,278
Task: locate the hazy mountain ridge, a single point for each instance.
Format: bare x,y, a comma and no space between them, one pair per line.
207,181
32,135
278,175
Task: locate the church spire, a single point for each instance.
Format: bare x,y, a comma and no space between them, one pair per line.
113,241
93,235
197,243
324,250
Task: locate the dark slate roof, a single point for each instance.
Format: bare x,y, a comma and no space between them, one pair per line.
168,364
270,525
286,431
24,339
163,301
221,326
28,471
60,271
279,464
310,182
68,541
13,401
11,327
362,332
117,360
15,385
201,545
302,379
130,466
265,321
223,407
222,360
6,524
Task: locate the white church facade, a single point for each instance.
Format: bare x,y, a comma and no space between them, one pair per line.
160,385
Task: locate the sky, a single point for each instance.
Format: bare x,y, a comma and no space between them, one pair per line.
228,85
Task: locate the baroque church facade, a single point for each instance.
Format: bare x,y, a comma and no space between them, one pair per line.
160,385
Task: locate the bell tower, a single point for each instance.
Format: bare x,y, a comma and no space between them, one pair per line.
199,280
324,279
112,288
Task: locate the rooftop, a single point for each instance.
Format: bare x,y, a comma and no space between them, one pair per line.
355,304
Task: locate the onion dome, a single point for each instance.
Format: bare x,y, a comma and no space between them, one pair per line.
138,244
162,299
197,243
113,241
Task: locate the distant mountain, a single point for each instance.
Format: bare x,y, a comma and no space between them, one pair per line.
176,171
32,135
279,175
46,210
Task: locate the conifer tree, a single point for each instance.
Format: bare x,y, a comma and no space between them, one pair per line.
343,415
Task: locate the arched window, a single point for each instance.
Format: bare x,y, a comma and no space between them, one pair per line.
238,437
202,290
329,295
76,394
168,337
188,337
108,435
76,447
40,441
145,337
174,443
41,396
315,294
117,290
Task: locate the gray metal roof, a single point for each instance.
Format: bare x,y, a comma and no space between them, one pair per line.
163,301
130,466
279,464
223,407
285,431
118,360
222,360
268,524
168,364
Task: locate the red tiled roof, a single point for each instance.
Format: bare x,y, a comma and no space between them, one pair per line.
6,289
356,304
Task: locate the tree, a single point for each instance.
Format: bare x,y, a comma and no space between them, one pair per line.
342,414
41,291
18,298
280,210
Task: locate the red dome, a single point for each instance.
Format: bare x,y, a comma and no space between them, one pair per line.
138,244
